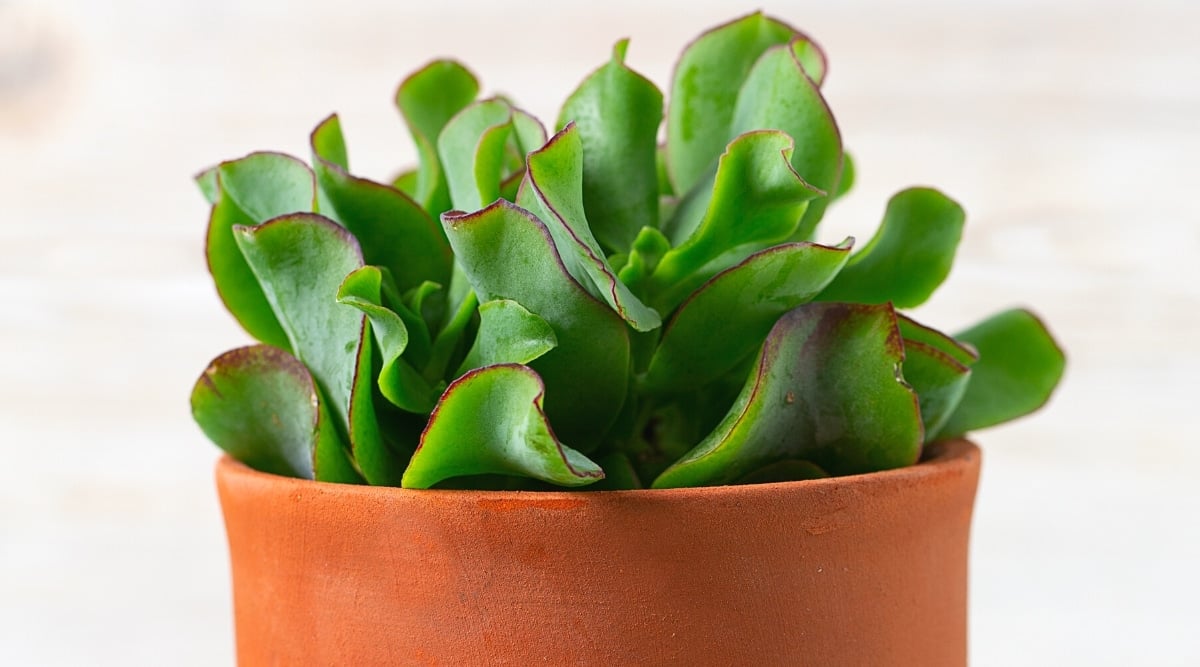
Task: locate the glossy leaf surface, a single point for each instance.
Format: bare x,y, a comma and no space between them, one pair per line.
399,382
472,148
757,200
617,113
250,191
704,90
826,390
1019,366
508,334
301,260
490,421
779,95
261,406
555,177
428,99
909,256
509,254
726,320
393,230
938,368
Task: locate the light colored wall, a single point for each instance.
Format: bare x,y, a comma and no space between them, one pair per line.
1068,129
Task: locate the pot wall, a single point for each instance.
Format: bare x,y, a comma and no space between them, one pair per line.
862,570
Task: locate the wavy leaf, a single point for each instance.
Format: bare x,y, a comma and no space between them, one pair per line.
1019,366
909,256
472,148
260,405
826,390
301,260
393,230
705,86
508,334
555,192
617,112
757,201
399,382
428,99
490,421
938,369
250,191
722,323
509,254
779,95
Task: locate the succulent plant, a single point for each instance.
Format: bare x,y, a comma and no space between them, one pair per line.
594,308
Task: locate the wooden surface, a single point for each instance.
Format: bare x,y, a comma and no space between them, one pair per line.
1069,130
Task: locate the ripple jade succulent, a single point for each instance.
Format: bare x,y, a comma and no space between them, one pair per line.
594,308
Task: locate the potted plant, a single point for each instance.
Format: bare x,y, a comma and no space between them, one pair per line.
635,413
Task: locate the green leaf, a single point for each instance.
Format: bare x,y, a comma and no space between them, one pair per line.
449,340
757,200
1019,366
472,150
826,390
209,187
428,99
260,405
250,191
490,421
725,321
508,334
301,261
394,231
617,112
399,382
705,88
909,256
509,254
555,178
619,474
846,180
779,95
938,368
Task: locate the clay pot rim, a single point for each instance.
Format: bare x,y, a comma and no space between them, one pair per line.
942,458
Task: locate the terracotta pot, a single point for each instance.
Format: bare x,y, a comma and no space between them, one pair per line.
862,570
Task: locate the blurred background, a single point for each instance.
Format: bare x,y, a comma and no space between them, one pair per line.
1068,128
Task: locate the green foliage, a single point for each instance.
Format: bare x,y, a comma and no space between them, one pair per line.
594,309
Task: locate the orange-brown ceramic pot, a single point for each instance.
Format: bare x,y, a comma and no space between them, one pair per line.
862,570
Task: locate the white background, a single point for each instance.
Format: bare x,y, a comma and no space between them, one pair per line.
1069,130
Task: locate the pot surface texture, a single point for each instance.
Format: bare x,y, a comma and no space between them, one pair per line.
860,570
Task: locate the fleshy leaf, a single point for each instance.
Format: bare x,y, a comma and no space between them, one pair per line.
490,421
449,340
909,256
508,334
472,150
827,390
757,200
617,112
509,254
846,180
250,191
722,323
394,231
704,90
555,178
261,406
1019,366
428,99
207,182
399,382
301,260
780,95
938,368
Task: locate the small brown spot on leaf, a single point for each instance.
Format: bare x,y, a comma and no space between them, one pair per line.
790,398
